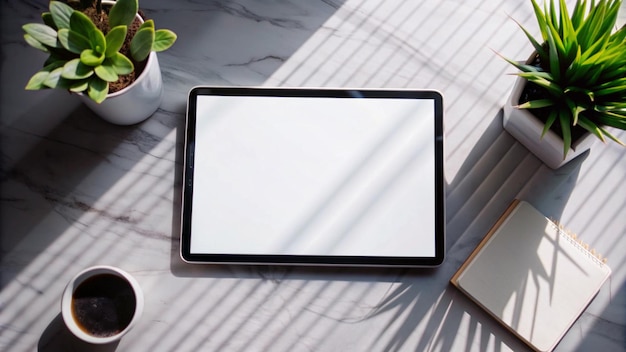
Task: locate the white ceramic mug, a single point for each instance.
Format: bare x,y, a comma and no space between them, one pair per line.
67,302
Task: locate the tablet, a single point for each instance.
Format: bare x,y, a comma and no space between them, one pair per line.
313,177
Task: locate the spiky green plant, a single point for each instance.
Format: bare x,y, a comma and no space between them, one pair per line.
582,70
84,59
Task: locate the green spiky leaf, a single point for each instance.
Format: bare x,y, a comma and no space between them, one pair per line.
536,104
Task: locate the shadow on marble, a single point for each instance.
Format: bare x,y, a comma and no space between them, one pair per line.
603,332
58,338
494,173
65,172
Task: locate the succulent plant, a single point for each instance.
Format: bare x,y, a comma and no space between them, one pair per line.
581,68
84,59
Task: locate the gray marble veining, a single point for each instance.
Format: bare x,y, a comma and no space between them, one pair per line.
77,191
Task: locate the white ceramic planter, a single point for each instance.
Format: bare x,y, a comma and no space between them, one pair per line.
526,128
136,102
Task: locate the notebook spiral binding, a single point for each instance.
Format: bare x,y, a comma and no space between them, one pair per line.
580,243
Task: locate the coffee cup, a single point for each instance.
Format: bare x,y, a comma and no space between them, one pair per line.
101,304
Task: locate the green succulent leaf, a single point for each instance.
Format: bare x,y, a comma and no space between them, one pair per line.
73,41
141,45
91,58
36,81
42,33
115,40
123,12
147,24
35,43
80,86
98,89
48,20
61,14
163,40
106,72
121,64
55,80
76,70
79,22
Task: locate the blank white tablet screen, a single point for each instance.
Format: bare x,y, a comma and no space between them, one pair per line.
314,176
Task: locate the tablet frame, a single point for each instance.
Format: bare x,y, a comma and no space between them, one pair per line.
311,260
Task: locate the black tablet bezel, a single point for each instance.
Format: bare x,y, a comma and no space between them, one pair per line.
187,188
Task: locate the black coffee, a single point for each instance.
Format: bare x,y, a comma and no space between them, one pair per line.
103,305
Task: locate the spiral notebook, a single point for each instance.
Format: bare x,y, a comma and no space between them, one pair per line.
532,276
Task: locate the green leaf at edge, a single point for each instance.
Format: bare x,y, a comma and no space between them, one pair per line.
163,40
42,33
36,81
35,43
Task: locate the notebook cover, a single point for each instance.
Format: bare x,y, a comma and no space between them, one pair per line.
532,276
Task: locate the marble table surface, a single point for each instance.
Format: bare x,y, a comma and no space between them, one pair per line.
77,191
